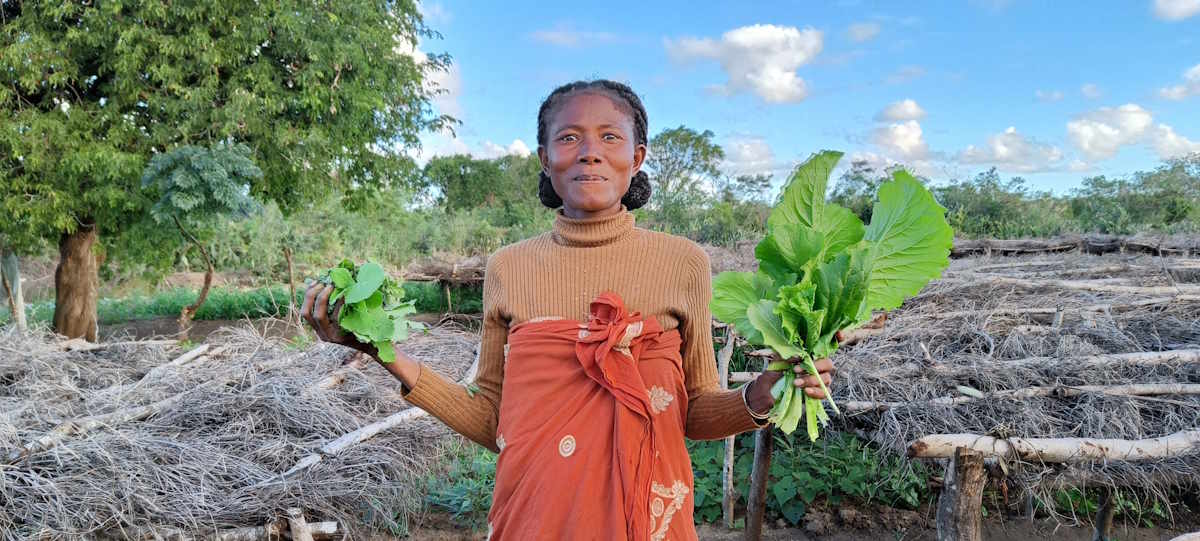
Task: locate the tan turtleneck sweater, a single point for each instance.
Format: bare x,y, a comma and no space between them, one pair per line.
558,274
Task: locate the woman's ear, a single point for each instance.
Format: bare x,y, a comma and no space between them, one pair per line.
639,156
545,159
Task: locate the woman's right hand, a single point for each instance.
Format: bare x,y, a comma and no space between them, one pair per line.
315,311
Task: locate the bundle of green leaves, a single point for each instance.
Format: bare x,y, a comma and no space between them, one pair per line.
820,271
375,310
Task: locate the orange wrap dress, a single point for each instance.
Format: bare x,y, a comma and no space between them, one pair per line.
591,431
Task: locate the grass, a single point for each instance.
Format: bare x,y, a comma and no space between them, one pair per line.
233,303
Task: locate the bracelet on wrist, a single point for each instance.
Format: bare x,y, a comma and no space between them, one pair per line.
746,402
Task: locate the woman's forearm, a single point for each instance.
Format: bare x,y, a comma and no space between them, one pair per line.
404,368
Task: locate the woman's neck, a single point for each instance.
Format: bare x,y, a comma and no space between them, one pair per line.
580,214
592,231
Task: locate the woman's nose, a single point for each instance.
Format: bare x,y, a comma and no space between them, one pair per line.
587,154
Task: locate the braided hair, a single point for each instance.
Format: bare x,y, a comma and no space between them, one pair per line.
624,98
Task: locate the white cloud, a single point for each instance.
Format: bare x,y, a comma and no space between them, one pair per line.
1176,10
447,82
860,32
902,110
1190,86
749,156
1048,95
1012,151
1090,91
761,59
905,74
566,36
492,150
1169,144
1101,133
904,139
434,13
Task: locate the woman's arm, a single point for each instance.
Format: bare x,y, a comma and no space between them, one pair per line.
470,412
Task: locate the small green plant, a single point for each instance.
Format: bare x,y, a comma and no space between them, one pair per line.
465,490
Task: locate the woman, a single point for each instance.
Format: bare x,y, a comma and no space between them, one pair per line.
596,358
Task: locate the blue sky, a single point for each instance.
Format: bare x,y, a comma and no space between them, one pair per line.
1051,91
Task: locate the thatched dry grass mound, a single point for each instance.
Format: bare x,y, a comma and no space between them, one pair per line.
119,442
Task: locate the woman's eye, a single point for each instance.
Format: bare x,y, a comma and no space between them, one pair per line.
611,137
568,138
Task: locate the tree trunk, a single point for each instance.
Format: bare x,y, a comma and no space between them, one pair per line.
76,282
960,505
188,312
1180,443
10,282
1102,529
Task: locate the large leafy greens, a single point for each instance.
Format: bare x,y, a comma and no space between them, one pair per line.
821,271
375,310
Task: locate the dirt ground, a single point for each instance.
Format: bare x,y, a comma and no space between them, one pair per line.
167,327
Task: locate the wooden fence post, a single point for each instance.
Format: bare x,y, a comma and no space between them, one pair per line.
960,505
728,492
764,443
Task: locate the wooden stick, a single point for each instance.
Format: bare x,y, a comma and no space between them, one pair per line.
79,344
727,489
1102,529
764,442
1085,285
1134,389
960,504
1058,449
297,525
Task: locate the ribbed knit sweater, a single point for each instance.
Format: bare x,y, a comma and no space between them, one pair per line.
557,274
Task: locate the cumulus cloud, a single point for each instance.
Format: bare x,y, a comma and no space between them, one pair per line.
902,110
1169,144
762,59
862,32
1012,151
1100,133
492,150
1190,86
749,156
1090,91
1176,10
904,139
1048,95
566,36
446,82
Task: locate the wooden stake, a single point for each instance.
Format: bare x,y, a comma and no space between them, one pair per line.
728,492
764,443
960,505
297,525
1102,530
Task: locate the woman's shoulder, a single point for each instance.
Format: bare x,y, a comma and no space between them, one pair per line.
517,249
675,246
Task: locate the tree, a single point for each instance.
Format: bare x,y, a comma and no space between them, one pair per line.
198,186
326,95
680,162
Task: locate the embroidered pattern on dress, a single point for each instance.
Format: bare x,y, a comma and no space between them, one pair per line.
500,443
566,446
662,510
660,399
506,352
584,333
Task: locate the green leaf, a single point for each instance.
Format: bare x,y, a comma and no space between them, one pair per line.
784,490
910,241
733,293
841,285
368,324
370,277
341,277
787,250
763,317
386,353
803,198
799,319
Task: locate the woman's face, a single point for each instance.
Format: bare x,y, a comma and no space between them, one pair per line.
591,155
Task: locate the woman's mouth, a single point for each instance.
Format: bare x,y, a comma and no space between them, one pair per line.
590,178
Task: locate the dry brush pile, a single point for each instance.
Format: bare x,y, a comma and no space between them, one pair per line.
136,440
1069,370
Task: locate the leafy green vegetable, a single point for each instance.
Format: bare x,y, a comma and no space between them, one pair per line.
374,308
821,271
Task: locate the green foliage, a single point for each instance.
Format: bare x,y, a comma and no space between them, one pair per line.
1167,199
820,271
465,491
840,468
374,308
197,184
681,162
989,207
92,90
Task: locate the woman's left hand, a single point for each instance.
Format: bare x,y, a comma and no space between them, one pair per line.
759,398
